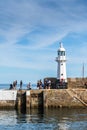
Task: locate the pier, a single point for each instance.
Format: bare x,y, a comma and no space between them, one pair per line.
44,98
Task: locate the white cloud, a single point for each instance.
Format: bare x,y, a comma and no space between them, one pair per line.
42,23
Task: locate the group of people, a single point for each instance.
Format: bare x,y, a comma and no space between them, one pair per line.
39,84
48,84
14,85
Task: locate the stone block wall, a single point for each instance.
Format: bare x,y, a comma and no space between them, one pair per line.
76,82
65,98
54,98
34,98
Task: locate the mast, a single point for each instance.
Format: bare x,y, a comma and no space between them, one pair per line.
83,71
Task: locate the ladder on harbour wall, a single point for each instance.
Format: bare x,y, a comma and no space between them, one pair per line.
73,94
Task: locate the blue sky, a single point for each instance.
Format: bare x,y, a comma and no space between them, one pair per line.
30,32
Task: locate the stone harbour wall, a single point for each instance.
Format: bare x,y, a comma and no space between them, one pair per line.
34,98
53,98
43,98
65,98
77,82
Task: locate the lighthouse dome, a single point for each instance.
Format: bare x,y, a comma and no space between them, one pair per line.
61,47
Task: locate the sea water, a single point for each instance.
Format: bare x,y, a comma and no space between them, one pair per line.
24,86
50,119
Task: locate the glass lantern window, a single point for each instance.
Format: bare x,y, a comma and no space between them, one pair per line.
61,53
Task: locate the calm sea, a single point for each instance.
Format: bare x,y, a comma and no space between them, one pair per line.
51,119
24,86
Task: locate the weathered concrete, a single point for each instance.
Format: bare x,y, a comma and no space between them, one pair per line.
28,99
8,98
43,98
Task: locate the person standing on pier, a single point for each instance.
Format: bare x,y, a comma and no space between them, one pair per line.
14,84
29,86
21,83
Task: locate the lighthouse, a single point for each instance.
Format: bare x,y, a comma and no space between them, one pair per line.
61,68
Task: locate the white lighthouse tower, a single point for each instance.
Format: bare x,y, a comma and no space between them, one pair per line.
61,60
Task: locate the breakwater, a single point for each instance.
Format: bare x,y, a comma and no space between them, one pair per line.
43,98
